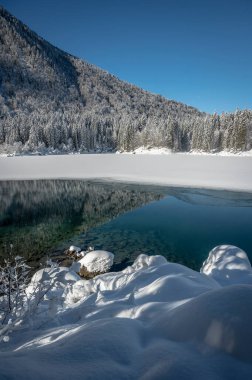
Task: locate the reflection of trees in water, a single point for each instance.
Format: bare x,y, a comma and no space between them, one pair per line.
37,215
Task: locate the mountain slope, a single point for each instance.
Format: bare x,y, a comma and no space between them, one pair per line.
50,99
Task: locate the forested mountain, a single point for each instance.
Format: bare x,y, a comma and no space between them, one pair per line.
51,100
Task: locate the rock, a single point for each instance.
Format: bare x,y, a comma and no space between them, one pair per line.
74,252
97,261
73,248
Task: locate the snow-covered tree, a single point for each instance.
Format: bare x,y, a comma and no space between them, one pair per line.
18,301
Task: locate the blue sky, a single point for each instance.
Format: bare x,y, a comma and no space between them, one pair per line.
196,52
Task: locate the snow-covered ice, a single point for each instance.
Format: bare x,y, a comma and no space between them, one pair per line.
153,320
202,171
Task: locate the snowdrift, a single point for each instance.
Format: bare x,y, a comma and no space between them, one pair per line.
153,320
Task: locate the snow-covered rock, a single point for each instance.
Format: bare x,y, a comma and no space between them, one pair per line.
97,261
73,248
51,278
74,252
228,264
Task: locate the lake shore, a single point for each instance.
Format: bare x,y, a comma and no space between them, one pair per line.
182,170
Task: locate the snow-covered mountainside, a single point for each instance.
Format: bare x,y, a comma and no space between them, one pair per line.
153,320
51,101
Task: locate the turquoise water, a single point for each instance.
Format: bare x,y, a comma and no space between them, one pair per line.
45,217
183,230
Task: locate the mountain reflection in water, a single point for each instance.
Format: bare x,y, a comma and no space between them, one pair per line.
44,217
36,216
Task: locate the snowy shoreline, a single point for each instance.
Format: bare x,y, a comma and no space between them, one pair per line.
153,320
178,170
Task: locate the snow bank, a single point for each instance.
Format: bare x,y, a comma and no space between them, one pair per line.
153,320
156,150
50,283
234,173
147,150
226,153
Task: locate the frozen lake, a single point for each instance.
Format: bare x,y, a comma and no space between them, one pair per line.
211,172
44,217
